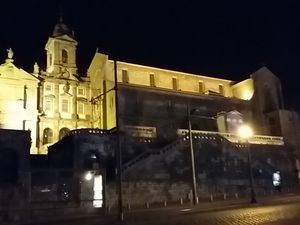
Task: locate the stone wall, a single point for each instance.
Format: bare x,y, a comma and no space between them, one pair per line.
157,192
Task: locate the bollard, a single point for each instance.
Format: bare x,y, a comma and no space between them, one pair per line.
181,201
128,206
197,200
236,195
147,205
211,197
224,196
165,203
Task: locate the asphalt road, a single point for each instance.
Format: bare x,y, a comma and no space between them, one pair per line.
283,211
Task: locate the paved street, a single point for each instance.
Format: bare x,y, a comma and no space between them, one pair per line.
277,211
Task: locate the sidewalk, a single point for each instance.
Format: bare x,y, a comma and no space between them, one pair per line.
142,213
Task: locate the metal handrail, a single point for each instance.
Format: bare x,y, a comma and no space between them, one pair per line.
255,139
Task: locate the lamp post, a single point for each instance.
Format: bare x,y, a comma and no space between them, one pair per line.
194,184
245,132
118,149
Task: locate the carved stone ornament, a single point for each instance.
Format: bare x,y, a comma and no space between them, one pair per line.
66,88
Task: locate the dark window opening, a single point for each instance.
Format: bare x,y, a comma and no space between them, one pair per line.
47,136
64,56
63,132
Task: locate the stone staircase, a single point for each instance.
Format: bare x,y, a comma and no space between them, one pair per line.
235,150
180,142
239,151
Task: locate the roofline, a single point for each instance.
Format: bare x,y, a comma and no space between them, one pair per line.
173,71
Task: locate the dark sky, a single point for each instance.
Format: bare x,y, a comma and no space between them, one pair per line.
226,39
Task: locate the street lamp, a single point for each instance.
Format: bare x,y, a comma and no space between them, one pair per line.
118,148
88,176
245,132
194,184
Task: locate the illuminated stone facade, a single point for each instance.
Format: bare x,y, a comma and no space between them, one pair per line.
154,80
153,102
64,95
18,99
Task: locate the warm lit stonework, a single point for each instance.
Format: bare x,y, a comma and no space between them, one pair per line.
18,99
52,101
64,102
165,117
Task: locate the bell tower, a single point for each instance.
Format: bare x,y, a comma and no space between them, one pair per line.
61,52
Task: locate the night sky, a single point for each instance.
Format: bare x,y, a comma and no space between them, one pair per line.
226,39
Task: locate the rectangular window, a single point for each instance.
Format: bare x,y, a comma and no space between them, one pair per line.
201,87
48,105
152,80
81,92
221,89
175,83
65,105
48,88
125,78
80,108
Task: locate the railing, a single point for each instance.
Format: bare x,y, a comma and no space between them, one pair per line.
141,131
234,138
90,131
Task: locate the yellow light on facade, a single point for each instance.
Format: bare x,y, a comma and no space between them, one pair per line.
248,94
245,131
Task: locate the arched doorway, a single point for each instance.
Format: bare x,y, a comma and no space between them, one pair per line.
63,132
47,136
93,174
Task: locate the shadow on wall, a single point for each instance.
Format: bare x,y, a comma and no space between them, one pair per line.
9,166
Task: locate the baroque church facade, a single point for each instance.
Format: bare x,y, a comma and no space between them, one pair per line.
152,101
64,101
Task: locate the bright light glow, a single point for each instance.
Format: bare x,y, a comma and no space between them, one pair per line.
98,192
185,210
245,131
247,94
276,179
88,176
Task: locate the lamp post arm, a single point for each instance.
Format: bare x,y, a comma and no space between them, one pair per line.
100,95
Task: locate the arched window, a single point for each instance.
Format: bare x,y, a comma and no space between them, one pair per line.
47,136
63,132
64,56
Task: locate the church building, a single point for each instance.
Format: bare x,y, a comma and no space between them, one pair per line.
153,103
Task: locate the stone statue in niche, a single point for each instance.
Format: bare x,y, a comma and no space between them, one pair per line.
66,88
